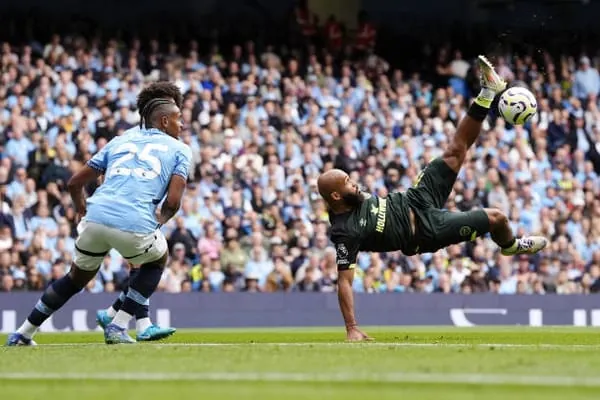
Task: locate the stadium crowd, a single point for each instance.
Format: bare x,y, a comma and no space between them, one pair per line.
263,126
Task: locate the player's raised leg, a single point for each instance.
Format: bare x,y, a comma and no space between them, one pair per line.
434,184
500,229
470,126
438,179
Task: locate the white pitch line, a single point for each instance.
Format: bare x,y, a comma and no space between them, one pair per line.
395,377
540,346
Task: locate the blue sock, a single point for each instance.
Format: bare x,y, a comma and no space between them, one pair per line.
55,296
140,290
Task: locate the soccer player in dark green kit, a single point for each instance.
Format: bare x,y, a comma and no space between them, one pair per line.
413,221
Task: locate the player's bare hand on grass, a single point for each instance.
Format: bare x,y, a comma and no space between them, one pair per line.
354,334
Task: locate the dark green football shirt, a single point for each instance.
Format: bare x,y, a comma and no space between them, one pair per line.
378,224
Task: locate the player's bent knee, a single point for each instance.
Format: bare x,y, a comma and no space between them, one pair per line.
81,277
496,217
158,263
86,263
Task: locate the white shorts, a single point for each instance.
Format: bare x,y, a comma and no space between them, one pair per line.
96,240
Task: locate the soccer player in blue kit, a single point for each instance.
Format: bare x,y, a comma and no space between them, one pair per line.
140,168
146,330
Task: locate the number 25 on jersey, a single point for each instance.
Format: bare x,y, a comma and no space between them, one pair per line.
135,162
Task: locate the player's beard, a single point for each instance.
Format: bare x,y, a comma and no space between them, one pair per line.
353,199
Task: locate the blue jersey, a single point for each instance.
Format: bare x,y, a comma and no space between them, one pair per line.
135,129
137,167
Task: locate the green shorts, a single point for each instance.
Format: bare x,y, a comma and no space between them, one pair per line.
437,228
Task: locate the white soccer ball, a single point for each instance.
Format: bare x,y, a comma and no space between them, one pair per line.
517,105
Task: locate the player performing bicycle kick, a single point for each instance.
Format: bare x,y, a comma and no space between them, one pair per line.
413,221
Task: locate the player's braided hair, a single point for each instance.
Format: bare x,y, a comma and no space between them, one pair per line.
152,105
158,90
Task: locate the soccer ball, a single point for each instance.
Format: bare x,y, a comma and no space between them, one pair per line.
517,105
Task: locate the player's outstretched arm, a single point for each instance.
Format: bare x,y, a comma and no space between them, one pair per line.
346,299
173,200
76,184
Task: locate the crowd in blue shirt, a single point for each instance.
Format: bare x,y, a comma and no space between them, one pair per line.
262,126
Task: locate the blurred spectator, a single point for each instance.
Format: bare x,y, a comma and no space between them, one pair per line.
8,283
587,81
182,235
173,277
280,279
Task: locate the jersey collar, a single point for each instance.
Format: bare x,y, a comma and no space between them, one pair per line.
153,130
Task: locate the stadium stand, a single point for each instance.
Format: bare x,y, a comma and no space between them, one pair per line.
262,123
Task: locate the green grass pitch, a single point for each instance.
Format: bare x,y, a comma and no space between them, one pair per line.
411,363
